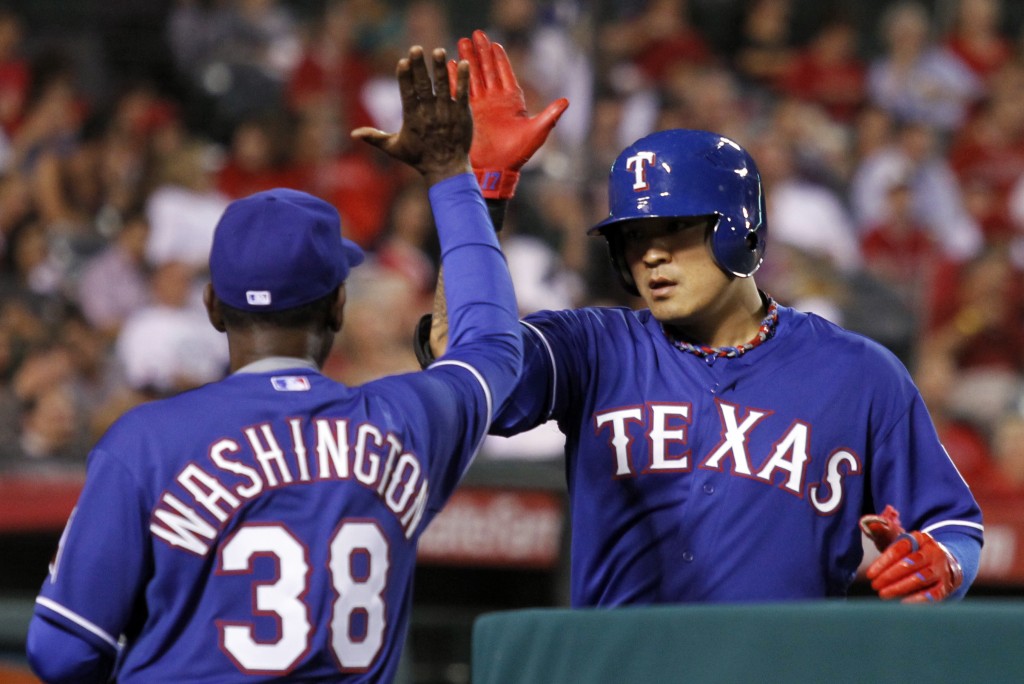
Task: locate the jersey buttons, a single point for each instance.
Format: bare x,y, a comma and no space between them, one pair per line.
709,488
688,556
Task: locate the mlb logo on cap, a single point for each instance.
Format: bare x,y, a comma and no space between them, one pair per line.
261,298
279,249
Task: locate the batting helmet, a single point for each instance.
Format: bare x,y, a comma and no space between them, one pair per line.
688,173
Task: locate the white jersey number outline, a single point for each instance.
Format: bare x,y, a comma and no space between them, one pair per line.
359,594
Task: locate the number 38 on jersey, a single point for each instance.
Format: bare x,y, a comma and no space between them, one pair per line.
358,569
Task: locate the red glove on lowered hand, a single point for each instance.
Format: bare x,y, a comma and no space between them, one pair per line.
505,136
913,566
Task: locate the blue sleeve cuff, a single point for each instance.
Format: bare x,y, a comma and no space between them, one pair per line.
967,550
59,656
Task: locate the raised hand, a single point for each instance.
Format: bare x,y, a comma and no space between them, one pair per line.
506,135
437,128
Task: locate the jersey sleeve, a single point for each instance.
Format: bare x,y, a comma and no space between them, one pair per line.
58,655
482,312
911,470
557,363
97,572
457,396
448,407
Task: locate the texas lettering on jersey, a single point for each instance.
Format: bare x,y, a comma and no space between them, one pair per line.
243,467
667,424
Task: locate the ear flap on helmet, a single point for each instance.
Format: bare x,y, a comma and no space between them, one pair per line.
617,254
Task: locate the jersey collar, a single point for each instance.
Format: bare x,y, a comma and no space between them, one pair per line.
276,363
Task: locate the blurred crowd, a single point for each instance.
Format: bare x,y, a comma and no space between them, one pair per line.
892,152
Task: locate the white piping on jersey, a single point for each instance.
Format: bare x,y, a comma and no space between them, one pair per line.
953,463
487,395
948,523
55,565
77,619
554,368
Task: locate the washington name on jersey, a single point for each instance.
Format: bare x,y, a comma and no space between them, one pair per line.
667,424
190,513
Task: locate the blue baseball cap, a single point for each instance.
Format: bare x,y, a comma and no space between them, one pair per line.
279,249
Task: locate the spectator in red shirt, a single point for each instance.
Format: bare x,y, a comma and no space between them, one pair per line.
353,178
14,72
898,250
829,72
1003,481
255,159
976,36
987,204
936,377
331,71
977,323
989,148
657,39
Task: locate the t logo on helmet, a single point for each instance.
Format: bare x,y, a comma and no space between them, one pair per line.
638,164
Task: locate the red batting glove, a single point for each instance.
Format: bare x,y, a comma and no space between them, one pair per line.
883,528
505,136
913,566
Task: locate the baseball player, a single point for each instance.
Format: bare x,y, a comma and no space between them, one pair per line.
264,527
720,446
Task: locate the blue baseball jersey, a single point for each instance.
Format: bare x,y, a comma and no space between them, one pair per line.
729,479
264,527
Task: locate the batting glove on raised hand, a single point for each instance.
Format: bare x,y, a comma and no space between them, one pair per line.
505,135
912,567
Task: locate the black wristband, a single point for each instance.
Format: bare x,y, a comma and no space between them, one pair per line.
496,208
421,341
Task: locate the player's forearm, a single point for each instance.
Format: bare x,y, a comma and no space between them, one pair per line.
967,551
480,300
437,340
439,319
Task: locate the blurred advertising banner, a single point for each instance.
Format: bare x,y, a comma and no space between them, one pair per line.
1002,556
496,528
40,502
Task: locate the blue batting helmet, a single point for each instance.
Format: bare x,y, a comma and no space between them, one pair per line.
688,173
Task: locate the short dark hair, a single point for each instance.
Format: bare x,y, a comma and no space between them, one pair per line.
295,317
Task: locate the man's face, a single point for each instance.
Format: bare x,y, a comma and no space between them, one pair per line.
673,268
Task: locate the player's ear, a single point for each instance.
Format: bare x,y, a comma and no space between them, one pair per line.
213,310
337,315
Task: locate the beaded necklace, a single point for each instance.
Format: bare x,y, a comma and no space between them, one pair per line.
766,331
